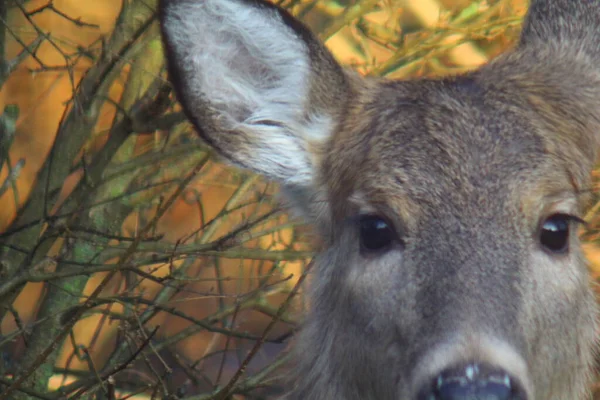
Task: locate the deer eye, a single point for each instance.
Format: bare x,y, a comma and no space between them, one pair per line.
376,234
554,233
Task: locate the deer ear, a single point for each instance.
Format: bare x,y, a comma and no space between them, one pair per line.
566,23
259,87
559,46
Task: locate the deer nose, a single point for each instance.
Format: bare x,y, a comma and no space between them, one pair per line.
473,382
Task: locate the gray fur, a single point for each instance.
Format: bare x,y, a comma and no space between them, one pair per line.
466,169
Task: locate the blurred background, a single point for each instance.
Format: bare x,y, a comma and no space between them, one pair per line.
132,263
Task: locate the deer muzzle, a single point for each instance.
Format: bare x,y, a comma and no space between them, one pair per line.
473,381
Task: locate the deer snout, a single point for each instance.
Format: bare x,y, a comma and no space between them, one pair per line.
473,381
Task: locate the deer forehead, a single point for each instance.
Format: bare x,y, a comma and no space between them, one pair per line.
417,146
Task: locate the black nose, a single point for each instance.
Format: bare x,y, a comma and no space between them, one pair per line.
473,382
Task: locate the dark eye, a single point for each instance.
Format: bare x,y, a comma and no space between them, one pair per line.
554,233
375,233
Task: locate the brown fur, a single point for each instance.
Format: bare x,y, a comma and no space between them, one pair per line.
466,169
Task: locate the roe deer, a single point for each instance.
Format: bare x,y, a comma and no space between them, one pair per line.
448,207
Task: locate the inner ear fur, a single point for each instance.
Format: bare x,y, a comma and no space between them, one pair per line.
257,84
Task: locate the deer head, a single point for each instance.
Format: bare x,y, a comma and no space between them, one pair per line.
449,207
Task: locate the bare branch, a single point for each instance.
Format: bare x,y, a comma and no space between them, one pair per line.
50,6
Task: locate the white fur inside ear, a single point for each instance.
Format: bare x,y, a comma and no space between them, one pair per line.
254,71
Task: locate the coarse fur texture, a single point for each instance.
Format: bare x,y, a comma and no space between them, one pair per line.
465,169
256,78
